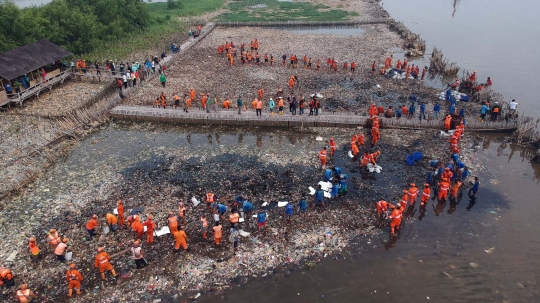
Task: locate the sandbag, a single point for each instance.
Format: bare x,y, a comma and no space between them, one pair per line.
417,156
409,160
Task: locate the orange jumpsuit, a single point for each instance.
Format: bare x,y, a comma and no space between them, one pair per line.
192,94
404,200
173,224
375,136
425,195
353,139
361,140
447,123
204,99
181,239
413,193
447,174
382,206
443,190
374,156
455,189
226,104
291,82
332,147
365,160
373,110
150,226
322,157
74,279
396,219
355,149
102,261
137,227
260,92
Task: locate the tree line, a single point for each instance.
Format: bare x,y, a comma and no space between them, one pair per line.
80,26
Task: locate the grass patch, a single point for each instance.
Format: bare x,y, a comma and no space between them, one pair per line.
273,10
164,28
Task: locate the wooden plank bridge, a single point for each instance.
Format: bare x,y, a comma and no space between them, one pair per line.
230,117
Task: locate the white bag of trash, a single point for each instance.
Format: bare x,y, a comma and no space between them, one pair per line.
447,134
195,201
350,154
311,190
281,204
163,231
326,186
69,256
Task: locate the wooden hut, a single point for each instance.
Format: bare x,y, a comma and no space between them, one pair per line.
29,61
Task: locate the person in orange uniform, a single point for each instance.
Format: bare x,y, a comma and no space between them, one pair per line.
181,240
6,277
322,156
254,103
426,193
447,174
375,136
25,295
374,156
472,77
259,107
260,93
204,227
382,207
355,149
137,226
218,233
204,99
447,120
443,189
226,104
103,263
333,147
172,221
112,221
396,218
455,188
210,198
404,199
54,238
91,225
461,128
353,66
150,227
182,212
74,279
365,159
360,140
192,94
120,211
291,82
373,110
413,193
34,250
234,218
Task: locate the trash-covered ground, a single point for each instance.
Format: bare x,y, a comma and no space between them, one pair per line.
62,99
203,70
156,167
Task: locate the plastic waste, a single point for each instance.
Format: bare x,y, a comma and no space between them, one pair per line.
195,201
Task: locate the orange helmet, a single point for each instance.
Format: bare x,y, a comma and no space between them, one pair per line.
52,230
100,249
426,184
72,265
446,168
137,242
119,201
150,217
413,185
405,191
65,240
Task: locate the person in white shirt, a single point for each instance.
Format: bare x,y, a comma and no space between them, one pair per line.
513,106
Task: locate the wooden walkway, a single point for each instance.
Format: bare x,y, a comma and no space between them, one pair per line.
231,117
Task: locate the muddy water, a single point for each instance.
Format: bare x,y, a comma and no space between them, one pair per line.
440,255
497,38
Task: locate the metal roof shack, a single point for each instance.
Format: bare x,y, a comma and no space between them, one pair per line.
30,57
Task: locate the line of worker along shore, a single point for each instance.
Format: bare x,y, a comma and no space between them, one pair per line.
250,118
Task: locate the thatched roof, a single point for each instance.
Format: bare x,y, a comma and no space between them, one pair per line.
30,57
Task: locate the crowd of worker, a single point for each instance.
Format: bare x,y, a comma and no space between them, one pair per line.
445,178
